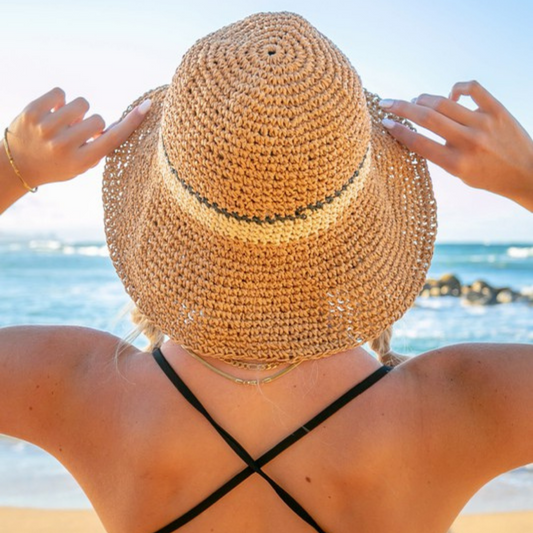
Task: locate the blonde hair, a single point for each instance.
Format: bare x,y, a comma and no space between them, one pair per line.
144,327
380,345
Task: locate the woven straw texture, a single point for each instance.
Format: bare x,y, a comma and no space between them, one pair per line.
262,211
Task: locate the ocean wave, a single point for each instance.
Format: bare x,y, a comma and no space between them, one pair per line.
519,252
93,251
482,258
52,246
44,246
527,290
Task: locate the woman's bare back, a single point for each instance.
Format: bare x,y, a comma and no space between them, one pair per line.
404,456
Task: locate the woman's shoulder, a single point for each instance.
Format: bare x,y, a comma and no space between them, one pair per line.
467,363
481,395
44,370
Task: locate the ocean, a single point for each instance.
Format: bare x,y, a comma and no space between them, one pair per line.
55,282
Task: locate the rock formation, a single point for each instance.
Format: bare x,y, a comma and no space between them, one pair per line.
478,293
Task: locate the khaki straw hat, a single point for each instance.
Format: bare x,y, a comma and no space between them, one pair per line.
262,211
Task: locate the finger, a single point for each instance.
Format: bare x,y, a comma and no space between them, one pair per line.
415,142
80,133
114,137
448,108
477,92
113,125
427,118
96,135
67,115
53,99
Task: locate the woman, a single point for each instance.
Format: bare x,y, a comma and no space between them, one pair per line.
226,221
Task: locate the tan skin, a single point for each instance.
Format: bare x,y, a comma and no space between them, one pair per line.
405,456
487,148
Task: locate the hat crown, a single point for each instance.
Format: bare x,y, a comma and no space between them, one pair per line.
265,117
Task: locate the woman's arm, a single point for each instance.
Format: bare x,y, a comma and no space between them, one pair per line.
51,141
486,148
497,386
41,369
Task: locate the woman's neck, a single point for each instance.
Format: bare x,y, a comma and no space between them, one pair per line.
355,362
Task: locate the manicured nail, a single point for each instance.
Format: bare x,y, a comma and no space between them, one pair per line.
386,103
145,106
388,123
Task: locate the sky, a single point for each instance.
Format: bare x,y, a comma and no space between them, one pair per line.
111,52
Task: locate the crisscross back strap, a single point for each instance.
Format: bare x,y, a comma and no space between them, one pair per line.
254,466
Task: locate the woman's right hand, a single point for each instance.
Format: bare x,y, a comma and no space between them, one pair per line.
486,148
52,141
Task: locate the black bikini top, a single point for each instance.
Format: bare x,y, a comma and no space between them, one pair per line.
255,465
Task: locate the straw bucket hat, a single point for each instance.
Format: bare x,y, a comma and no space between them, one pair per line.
262,211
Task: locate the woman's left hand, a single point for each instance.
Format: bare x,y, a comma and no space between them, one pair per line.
486,148
52,141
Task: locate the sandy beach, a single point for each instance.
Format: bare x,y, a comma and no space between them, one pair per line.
13,520
20,520
514,522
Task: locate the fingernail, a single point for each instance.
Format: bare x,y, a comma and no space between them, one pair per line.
388,123
145,106
386,103
414,100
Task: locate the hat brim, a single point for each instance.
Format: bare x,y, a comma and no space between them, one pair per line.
304,299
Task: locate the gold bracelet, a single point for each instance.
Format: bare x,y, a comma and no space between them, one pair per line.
16,170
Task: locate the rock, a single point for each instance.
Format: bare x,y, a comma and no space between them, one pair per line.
478,293
428,285
447,285
450,285
434,291
479,285
478,298
506,296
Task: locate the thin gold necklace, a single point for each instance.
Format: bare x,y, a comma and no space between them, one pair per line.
253,366
242,381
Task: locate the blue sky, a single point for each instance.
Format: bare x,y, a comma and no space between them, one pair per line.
111,52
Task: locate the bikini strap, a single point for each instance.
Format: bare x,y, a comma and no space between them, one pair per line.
256,465
233,443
